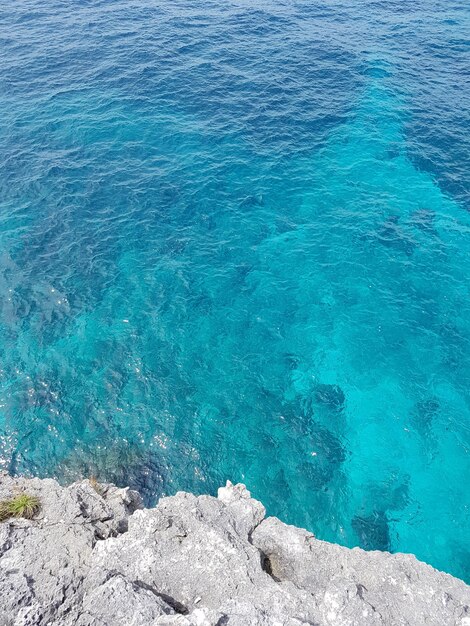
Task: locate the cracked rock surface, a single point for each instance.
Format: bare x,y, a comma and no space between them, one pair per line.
94,557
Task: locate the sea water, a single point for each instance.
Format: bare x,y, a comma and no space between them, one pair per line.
234,244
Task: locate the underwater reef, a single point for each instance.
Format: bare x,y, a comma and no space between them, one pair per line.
92,555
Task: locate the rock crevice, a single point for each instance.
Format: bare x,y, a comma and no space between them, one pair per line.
96,557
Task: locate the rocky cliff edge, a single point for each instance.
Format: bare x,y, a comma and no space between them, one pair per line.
93,556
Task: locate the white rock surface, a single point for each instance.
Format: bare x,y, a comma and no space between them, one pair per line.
97,558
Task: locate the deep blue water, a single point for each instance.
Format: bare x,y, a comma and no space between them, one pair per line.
234,243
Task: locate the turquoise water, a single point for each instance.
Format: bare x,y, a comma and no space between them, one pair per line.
235,245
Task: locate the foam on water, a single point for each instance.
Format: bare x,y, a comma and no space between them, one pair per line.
217,262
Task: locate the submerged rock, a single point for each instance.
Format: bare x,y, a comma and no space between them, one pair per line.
424,413
94,557
392,235
326,457
330,395
424,219
372,531
123,463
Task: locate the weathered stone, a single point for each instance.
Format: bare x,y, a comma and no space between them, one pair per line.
358,587
119,601
93,557
43,562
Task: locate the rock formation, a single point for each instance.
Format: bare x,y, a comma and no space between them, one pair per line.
95,557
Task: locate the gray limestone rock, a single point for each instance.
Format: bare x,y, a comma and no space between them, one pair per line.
94,557
43,562
379,587
119,601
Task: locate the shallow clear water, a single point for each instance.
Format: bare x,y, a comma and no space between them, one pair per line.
235,245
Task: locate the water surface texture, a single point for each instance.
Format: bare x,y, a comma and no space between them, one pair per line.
234,244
